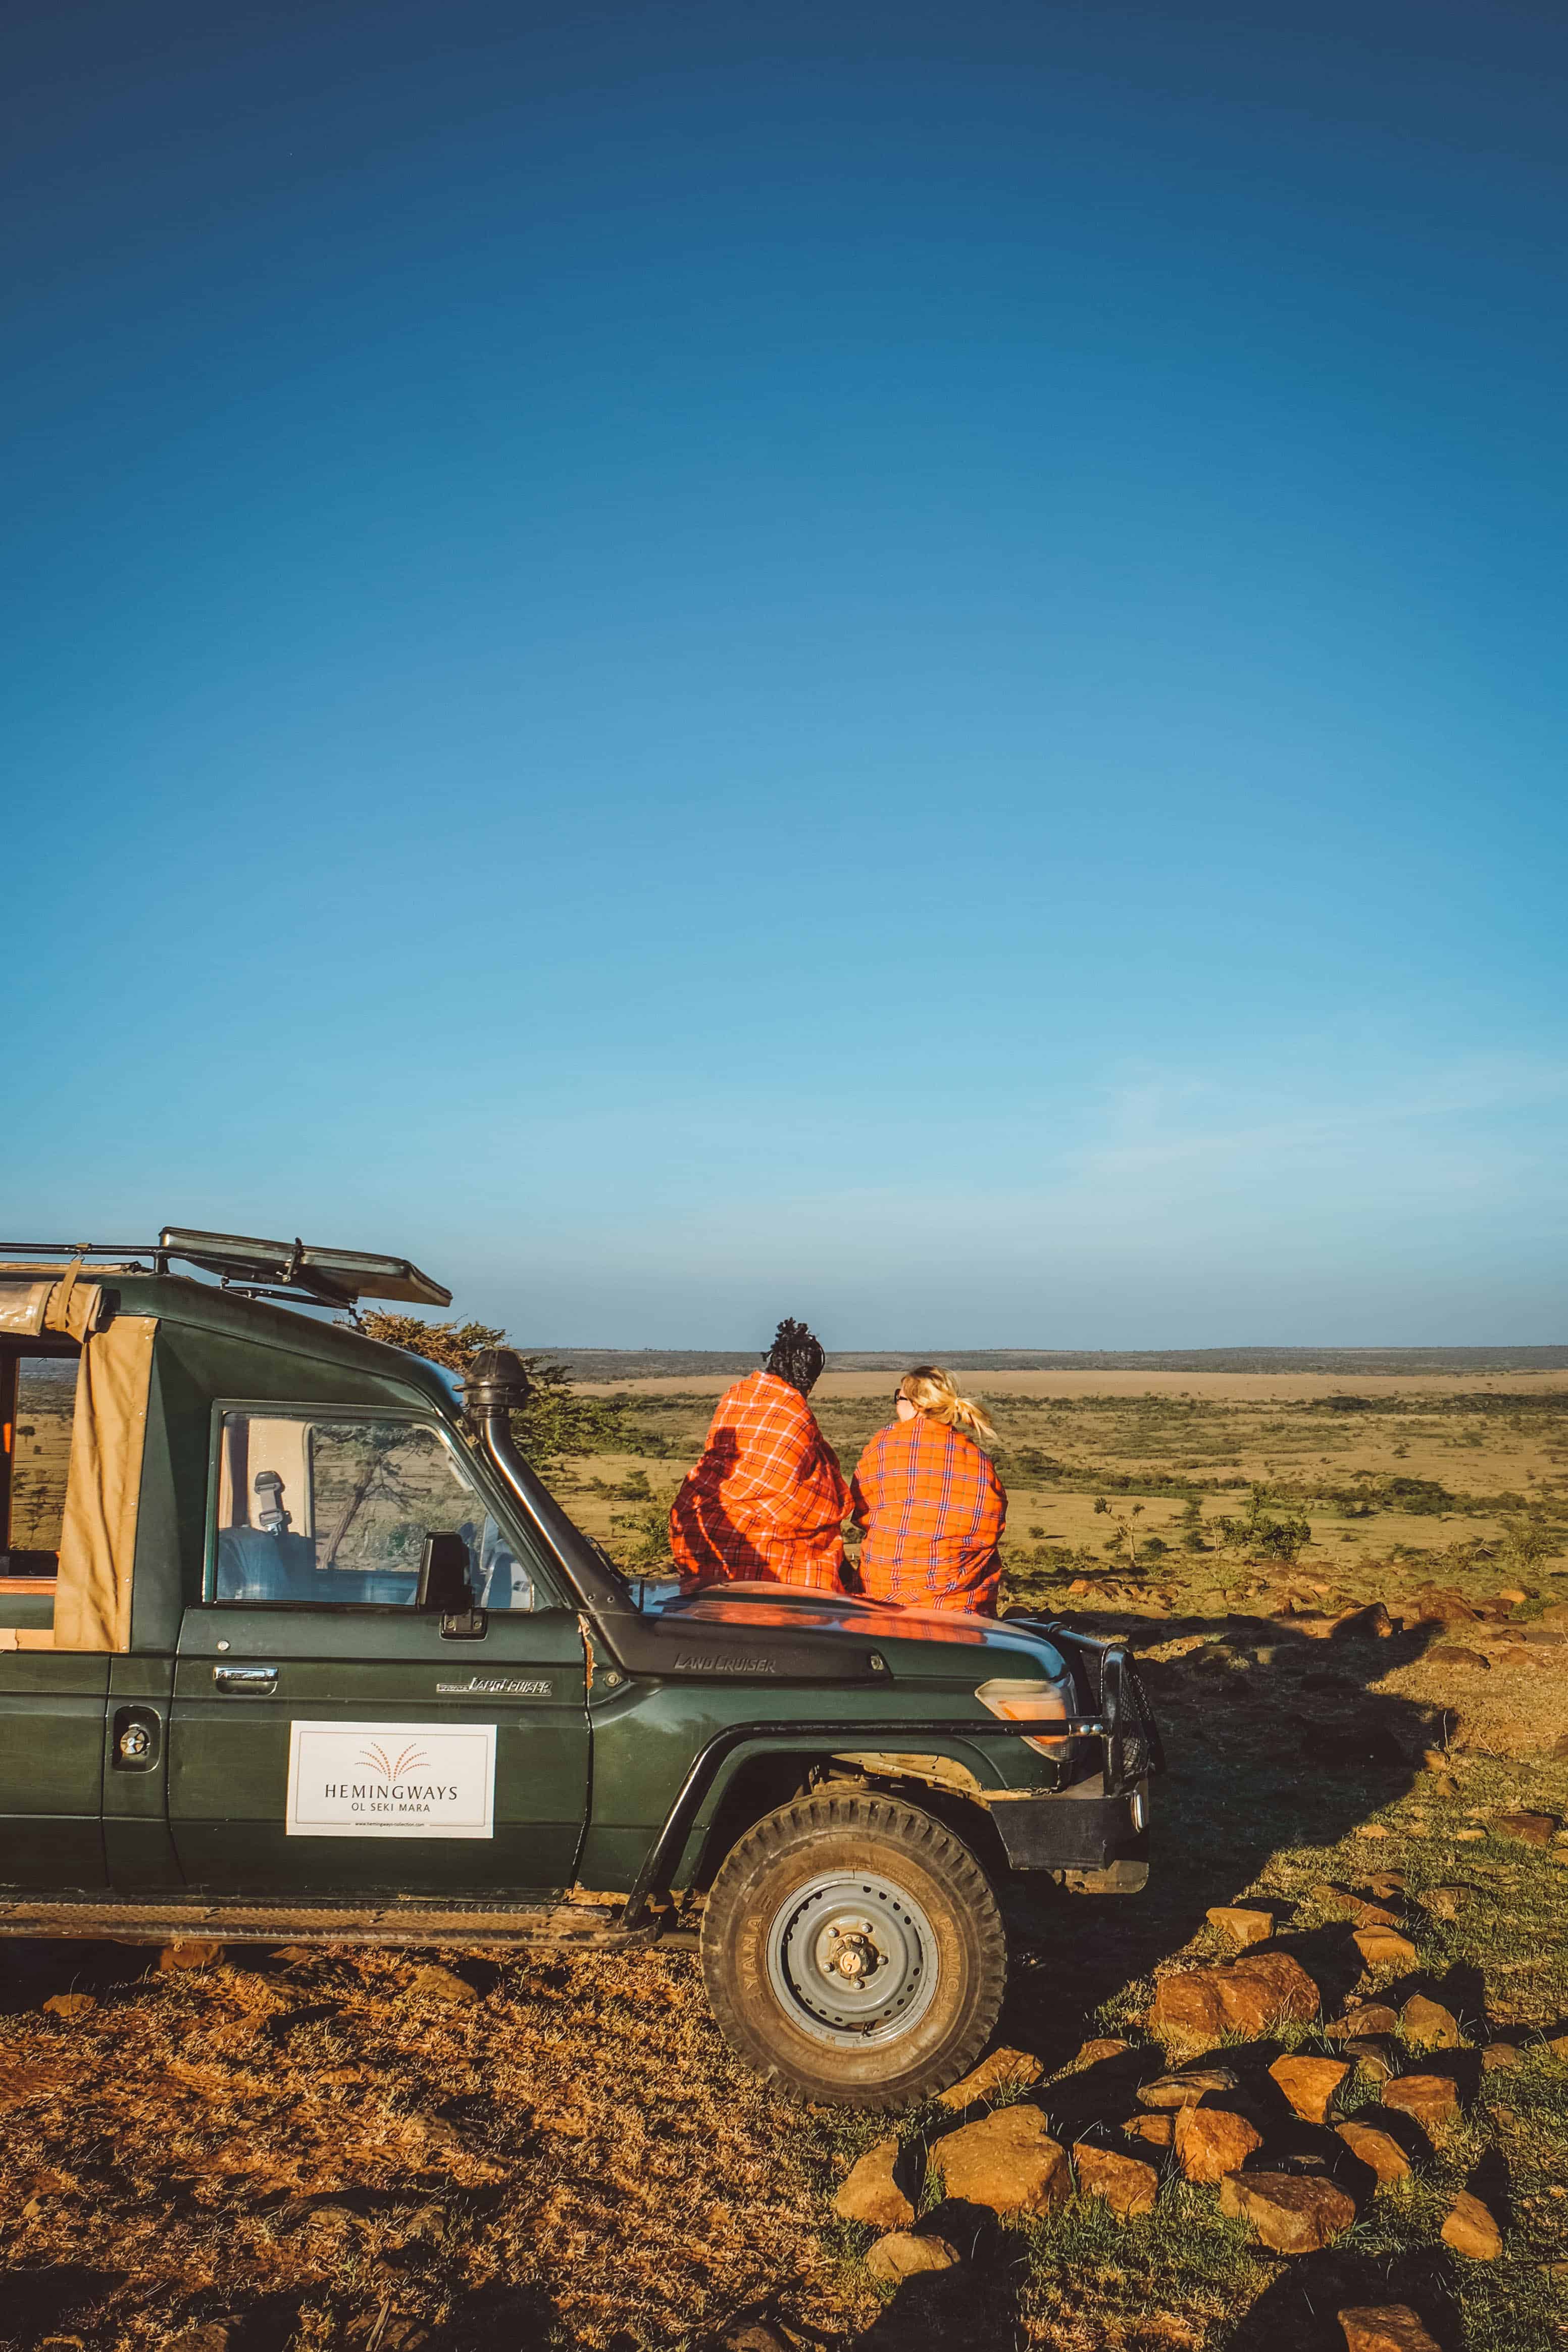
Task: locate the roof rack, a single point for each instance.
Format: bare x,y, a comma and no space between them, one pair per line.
294,1272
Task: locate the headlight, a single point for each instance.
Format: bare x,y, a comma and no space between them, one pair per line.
1026,1703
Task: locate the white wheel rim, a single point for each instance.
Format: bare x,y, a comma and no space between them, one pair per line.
852,1959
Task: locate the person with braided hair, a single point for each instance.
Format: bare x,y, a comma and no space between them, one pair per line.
767,1500
930,1501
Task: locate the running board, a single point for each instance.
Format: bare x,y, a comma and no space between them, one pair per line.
587,1926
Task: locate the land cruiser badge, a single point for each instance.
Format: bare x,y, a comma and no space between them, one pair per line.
391,1779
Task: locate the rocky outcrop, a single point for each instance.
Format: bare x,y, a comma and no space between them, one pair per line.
1471,2228
1008,2161
1127,2184
1377,2148
1429,2100
1293,2213
1310,2084
1384,2327
1004,2069
869,2192
1212,2141
1246,1997
902,2255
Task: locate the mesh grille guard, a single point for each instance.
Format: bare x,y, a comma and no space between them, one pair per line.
1132,1746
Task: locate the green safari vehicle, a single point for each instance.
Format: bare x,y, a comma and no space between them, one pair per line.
295,1646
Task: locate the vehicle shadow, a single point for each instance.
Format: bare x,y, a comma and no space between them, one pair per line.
1295,1751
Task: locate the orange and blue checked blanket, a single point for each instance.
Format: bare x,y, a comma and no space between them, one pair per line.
766,1500
933,1509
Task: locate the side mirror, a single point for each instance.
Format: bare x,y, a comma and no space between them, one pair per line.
444,1589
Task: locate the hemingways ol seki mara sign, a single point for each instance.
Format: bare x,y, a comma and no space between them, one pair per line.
391,1779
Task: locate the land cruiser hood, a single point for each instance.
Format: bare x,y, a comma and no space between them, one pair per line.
943,1645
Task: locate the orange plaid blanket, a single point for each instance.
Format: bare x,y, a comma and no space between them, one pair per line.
933,1509
768,1497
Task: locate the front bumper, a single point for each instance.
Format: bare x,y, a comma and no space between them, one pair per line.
1081,1833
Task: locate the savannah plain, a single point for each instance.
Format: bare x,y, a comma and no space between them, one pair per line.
1349,1598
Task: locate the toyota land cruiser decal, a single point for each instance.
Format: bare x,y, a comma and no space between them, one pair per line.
494,1686
723,1662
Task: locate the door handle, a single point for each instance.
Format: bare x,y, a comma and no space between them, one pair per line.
252,1682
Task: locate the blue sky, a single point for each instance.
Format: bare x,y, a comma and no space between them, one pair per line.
896,663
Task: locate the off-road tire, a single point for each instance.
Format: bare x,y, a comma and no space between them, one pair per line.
903,1853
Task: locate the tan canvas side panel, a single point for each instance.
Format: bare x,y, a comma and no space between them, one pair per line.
97,1537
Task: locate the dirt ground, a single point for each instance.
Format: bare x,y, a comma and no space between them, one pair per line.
391,2152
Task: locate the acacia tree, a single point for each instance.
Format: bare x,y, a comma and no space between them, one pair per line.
555,1422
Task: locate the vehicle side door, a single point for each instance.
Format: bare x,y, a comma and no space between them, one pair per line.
327,1736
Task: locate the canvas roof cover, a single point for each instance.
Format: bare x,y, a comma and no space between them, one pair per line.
109,1430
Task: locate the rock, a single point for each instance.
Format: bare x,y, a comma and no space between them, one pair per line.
1310,2084
1440,1605
1384,1882
194,1954
1445,1902
1002,2068
1372,1620
1373,1830
1127,2184
1330,1894
1212,2141
1529,1829
869,2192
434,1983
1375,2055
1429,2100
1454,1653
1186,2089
1382,1947
1430,2024
1092,2052
748,2335
1188,2006
1375,1914
1157,2130
1366,2017
1471,2229
1246,1997
1241,1925
1384,2327
904,2255
1007,2161
70,2005
1294,2212
1379,2150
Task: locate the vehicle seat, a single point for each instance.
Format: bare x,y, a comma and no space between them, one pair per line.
255,1566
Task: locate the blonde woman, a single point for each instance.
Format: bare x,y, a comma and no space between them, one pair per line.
931,1505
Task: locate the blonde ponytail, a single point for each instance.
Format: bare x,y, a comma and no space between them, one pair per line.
930,1390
